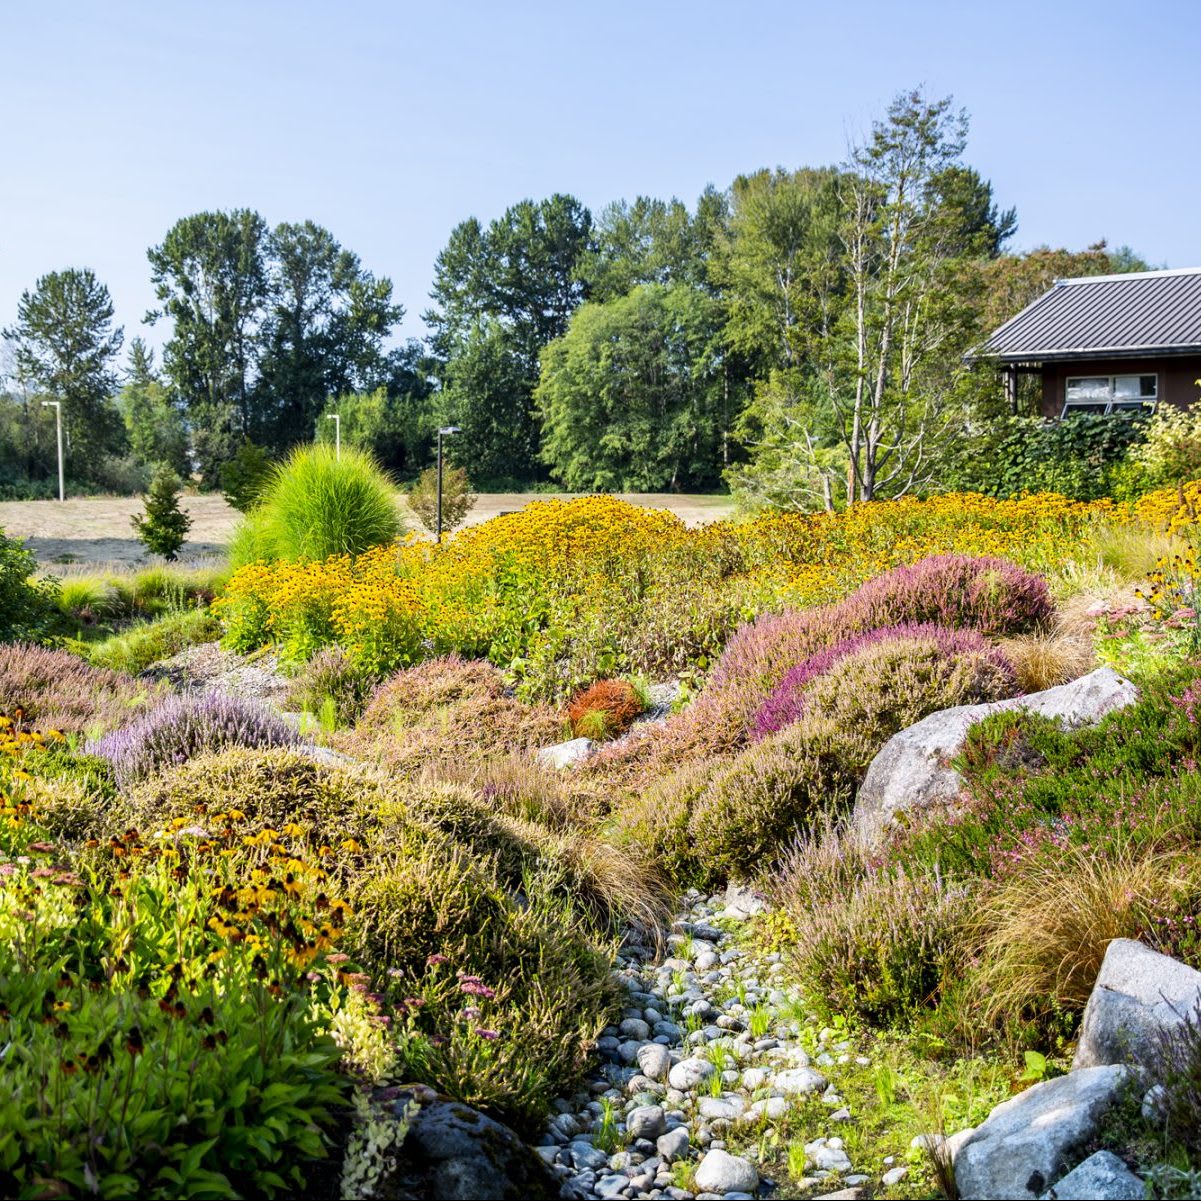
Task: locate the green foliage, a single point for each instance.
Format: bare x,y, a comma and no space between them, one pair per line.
395,424
457,497
164,525
26,605
487,393
756,805
1170,452
134,650
317,505
65,346
632,396
245,477
329,680
290,318
153,424
1083,456
883,950
151,1057
501,294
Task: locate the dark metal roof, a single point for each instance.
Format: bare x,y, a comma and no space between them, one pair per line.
1144,313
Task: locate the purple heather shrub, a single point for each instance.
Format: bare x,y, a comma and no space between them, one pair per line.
183,727
786,703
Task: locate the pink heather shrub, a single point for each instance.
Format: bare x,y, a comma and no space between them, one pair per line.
182,727
991,595
58,690
995,674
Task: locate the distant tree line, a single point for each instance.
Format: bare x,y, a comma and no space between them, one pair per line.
798,337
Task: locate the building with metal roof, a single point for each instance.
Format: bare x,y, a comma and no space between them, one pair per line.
1107,342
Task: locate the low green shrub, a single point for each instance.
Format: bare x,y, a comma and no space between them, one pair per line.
503,996
887,685
318,504
457,498
270,788
610,888
659,818
756,804
26,605
137,648
882,949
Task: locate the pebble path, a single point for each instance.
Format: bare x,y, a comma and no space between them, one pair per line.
709,1042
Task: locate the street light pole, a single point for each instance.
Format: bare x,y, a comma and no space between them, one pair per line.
57,405
336,418
446,430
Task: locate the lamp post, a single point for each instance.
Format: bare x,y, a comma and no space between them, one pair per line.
336,418
57,406
445,431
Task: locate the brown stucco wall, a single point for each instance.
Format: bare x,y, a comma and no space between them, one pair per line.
1177,378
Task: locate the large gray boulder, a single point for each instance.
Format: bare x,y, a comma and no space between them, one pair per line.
1101,1177
911,770
1029,1142
1138,993
455,1153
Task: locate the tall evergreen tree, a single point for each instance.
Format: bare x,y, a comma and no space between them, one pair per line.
65,345
323,334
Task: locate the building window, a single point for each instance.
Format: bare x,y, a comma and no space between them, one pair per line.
1110,393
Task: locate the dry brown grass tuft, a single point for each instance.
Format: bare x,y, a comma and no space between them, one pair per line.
1046,660
447,712
1042,934
521,786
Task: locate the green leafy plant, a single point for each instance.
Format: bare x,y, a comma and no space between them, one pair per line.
26,605
245,476
457,498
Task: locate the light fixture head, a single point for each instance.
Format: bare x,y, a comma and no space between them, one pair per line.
449,429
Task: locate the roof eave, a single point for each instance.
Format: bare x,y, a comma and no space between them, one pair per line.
1059,354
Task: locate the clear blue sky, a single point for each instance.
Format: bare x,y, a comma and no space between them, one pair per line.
389,123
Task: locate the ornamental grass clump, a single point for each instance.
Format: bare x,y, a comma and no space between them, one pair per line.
182,727
605,709
890,678
317,505
1042,933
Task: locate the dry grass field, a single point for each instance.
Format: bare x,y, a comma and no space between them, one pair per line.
95,531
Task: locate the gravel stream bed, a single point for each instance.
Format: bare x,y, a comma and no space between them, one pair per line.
708,1048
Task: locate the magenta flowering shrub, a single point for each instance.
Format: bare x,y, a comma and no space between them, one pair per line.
182,727
991,595
786,703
